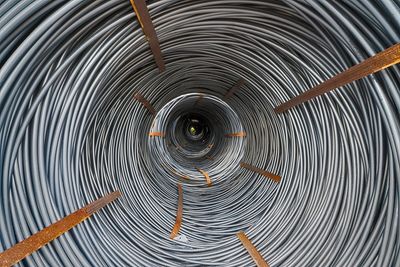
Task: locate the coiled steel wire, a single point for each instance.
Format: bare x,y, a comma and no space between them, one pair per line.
71,131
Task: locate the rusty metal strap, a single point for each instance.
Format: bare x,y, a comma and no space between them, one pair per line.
258,259
174,171
154,134
143,15
179,214
274,177
238,134
26,247
199,99
380,61
208,179
234,88
139,97
180,175
209,158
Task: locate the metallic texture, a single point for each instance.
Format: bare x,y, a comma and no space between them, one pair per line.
71,131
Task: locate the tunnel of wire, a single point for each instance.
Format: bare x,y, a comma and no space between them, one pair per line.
71,131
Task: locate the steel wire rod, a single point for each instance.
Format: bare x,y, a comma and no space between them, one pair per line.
72,131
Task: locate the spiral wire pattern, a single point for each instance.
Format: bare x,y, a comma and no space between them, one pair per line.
71,131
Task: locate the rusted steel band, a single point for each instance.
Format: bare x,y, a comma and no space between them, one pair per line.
380,61
252,250
180,175
199,99
238,134
139,97
274,177
179,214
154,134
209,158
101,202
234,88
143,15
208,179
26,247
172,170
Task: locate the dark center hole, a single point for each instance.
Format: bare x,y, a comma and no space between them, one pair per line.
196,128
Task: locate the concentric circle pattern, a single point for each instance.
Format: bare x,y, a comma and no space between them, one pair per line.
178,155
71,131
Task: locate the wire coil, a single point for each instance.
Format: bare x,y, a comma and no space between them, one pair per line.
71,131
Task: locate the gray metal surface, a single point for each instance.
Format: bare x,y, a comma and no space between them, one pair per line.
71,131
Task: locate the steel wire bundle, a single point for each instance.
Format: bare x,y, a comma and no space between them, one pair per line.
71,131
